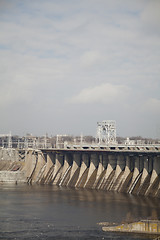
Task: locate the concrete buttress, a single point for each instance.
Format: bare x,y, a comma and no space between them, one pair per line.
75,169
118,172
110,168
39,167
101,179
93,166
127,171
58,165
50,162
101,169
146,170
30,165
84,166
155,173
65,170
137,173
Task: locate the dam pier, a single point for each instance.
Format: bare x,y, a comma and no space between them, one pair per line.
133,170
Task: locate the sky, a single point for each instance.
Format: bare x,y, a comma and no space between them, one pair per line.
67,64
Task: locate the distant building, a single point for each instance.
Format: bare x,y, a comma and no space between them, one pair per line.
129,142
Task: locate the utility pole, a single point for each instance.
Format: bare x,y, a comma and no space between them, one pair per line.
9,140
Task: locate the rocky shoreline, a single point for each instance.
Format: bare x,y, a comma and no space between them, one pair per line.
146,227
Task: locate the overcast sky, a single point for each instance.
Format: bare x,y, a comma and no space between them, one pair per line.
66,64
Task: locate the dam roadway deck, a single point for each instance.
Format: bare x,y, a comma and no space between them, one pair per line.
126,149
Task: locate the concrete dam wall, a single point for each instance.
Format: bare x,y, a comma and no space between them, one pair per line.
12,164
130,172
120,170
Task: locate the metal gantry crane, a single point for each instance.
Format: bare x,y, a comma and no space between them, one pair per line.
106,132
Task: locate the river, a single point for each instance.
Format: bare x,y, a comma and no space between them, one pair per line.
50,212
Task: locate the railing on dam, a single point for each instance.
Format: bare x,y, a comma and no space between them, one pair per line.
109,148
135,147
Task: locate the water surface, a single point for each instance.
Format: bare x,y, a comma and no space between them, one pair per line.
50,212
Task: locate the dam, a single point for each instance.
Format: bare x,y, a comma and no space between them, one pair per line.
127,169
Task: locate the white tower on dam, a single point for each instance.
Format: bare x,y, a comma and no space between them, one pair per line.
106,132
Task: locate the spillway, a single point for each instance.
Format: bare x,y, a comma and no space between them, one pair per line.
133,171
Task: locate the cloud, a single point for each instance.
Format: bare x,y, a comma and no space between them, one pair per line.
90,58
152,105
151,17
105,93
100,52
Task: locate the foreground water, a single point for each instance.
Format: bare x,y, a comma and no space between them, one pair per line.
48,212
